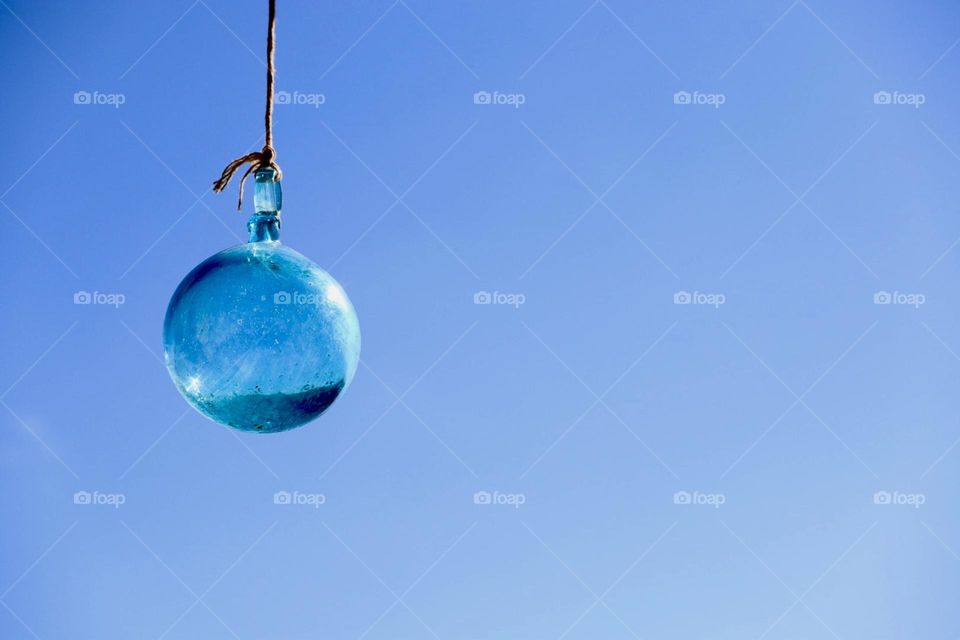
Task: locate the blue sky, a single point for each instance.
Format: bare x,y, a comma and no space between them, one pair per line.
712,394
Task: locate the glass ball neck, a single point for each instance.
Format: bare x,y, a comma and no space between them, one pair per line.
264,225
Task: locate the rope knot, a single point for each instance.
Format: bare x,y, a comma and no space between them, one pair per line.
256,160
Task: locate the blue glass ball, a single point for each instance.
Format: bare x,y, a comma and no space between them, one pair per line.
260,338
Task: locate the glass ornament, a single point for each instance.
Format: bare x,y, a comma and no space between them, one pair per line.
258,337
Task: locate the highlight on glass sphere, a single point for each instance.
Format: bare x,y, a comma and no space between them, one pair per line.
258,337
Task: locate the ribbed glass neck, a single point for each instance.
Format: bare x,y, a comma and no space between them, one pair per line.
264,225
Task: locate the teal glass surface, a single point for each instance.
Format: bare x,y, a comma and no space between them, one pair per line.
258,337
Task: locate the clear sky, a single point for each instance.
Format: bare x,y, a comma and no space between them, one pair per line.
712,393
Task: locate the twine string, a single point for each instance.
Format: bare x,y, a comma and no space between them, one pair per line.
266,157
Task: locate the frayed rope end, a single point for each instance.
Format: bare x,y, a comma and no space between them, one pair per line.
256,160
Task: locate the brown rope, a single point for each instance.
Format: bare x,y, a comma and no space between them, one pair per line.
266,157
